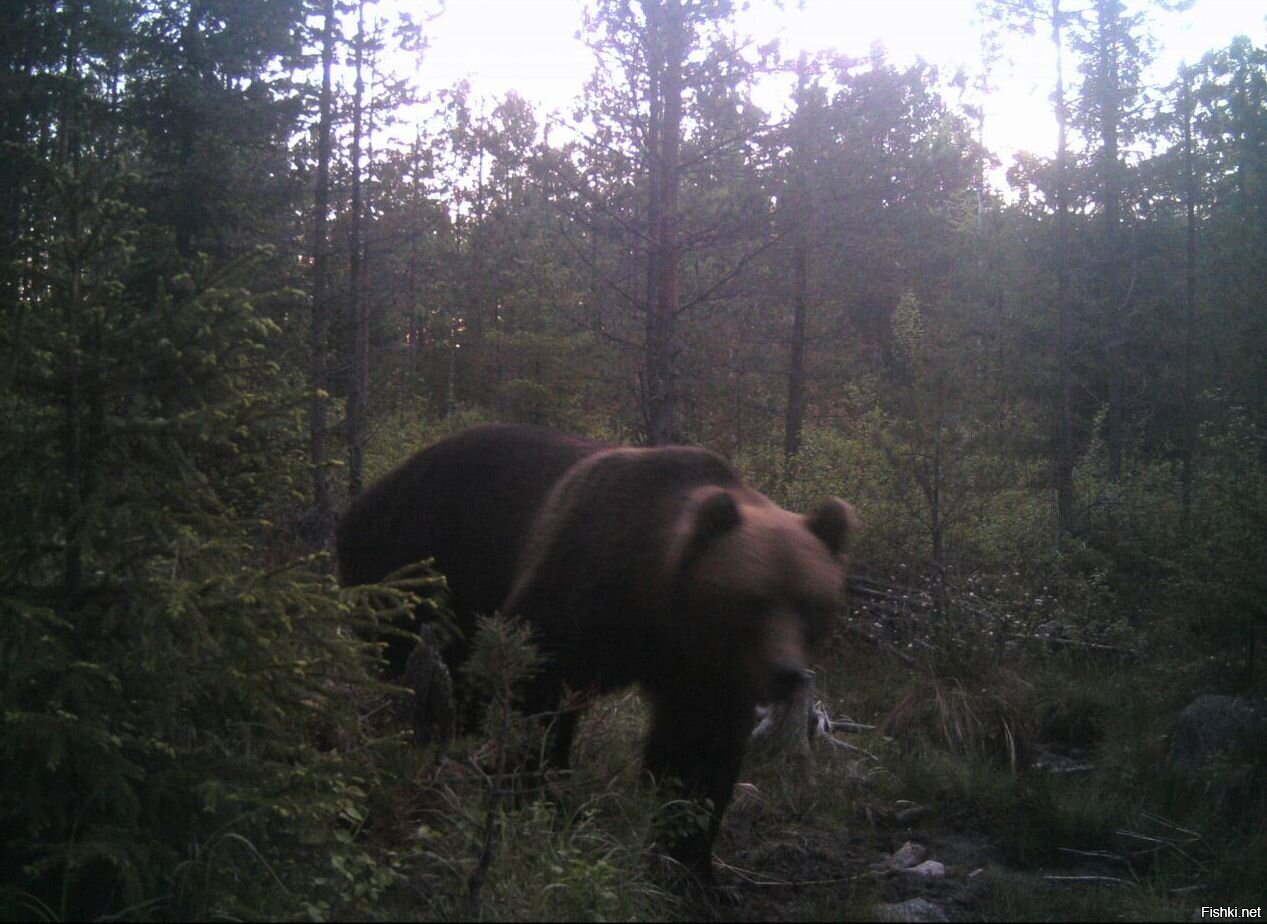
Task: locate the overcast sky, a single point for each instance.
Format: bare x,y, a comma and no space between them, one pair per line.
531,46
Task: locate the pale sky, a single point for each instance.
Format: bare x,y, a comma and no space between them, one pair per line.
530,46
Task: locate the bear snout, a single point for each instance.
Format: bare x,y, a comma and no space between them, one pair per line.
780,666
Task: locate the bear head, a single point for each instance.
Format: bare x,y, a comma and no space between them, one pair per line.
759,584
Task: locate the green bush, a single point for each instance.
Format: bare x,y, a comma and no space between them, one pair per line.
178,733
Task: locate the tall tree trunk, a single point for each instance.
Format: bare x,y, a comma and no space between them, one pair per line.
68,144
1190,305
323,514
802,205
655,118
1065,455
666,27
358,393
1114,291
794,420
415,223
186,131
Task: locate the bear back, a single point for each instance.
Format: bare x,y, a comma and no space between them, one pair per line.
468,502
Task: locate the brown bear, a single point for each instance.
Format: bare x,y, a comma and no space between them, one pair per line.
658,567
467,501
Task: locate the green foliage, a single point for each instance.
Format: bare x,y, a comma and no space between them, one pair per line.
1008,896
488,838
404,432
503,659
171,699
168,740
828,464
909,335
189,727
983,719
570,868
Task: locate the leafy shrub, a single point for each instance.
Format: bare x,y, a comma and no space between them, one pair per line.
177,718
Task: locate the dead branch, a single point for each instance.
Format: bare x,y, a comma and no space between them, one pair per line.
1090,880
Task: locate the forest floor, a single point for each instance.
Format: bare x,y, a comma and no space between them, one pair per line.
875,866
788,870
838,842
893,835
801,871
901,826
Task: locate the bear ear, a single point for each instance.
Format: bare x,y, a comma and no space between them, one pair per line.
716,515
709,517
834,523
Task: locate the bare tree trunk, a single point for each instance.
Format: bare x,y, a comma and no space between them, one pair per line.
76,467
1190,306
186,133
323,515
1114,297
794,421
668,35
415,326
358,393
936,520
1065,455
795,415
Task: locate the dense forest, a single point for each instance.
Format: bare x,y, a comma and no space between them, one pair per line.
250,260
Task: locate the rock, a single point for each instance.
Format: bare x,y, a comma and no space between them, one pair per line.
906,856
1217,726
929,869
913,910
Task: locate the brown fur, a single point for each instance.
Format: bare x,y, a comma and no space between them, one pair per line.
660,567
656,567
468,502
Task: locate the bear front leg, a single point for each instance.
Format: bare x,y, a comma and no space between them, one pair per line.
543,699
696,744
560,729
